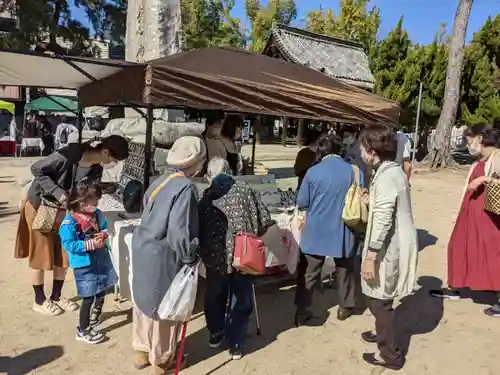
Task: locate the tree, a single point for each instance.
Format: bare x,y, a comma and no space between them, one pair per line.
45,23
440,157
480,97
209,23
354,22
262,19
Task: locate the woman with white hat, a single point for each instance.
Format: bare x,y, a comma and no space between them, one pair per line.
166,239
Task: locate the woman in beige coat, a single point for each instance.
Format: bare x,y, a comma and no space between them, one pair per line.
390,251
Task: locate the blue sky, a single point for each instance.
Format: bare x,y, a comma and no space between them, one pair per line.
422,18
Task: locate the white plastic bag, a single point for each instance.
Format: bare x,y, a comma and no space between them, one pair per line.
178,302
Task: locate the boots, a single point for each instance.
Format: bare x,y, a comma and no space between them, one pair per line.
141,360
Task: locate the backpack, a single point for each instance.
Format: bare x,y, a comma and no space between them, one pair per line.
63,137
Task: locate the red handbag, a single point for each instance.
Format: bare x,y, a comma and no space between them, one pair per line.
249,254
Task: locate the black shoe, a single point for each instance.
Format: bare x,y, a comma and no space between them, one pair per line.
374,361
493,311
445,293
236,352
215,341
302,317
369,337
344,314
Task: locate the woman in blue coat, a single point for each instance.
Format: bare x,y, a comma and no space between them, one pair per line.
322,195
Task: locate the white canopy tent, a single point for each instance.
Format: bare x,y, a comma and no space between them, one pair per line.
26,69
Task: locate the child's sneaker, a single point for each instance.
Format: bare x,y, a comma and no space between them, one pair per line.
90,336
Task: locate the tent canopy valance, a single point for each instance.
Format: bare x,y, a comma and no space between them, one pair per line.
239,81
52,104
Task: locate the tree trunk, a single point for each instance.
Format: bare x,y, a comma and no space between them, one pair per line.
441,152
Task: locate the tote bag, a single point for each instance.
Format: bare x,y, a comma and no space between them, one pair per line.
355,212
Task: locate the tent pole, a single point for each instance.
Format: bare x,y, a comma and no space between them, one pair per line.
254,142
148,145
80,123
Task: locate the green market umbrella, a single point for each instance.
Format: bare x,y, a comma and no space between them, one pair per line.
52,104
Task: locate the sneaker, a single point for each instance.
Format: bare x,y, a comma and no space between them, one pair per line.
236,352
493,311
67,304
445,293
47,308
90,336
215,341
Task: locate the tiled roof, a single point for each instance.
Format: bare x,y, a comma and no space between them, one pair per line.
344,60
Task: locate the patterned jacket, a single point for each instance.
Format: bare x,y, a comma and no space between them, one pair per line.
226,210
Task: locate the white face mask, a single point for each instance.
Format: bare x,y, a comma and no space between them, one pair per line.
475,147
110,165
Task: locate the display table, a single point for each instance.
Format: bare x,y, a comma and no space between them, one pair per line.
32,143
121,242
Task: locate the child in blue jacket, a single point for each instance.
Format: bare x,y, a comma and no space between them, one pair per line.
83,233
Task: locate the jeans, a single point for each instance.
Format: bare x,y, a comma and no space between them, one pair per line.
232,323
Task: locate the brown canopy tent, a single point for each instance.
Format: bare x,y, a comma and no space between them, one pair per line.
211,78
239,81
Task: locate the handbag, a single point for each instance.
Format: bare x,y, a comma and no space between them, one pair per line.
492,198
50,214
355,212
249,254
48,217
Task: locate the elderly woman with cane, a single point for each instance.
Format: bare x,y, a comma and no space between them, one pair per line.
165,241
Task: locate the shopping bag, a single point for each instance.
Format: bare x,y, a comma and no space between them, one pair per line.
277,253
291,239
249,254
178,302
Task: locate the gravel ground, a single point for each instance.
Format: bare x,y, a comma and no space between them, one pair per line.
445,339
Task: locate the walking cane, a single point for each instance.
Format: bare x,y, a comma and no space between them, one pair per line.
181,348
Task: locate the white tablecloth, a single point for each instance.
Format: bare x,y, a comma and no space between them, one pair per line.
32,142
121,240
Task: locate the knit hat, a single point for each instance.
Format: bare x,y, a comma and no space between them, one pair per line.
186,152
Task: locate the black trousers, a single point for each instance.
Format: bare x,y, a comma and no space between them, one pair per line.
309,279
384,326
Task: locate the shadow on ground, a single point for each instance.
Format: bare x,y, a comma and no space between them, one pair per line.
425,239
27,362
419,313
276,315
283,172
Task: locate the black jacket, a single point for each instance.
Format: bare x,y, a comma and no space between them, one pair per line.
54,174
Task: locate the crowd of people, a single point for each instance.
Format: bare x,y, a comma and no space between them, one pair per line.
178,227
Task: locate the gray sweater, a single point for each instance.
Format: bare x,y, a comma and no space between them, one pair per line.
165,240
